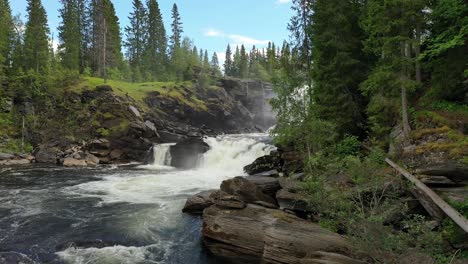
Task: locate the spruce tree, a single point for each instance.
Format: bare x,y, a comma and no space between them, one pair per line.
236,63
206,60
215,61
156,45
106,43
228,63
339,63
70,35
176,27
36,41
243,63
136,33
390,26
6,39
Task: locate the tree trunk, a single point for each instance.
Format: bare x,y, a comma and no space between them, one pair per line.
417,52
404,99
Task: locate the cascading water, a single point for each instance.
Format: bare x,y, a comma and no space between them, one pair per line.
161,154
135,212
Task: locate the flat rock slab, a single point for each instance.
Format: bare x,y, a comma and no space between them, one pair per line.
245,190
259,235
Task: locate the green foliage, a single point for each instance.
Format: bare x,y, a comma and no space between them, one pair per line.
349,145
36,39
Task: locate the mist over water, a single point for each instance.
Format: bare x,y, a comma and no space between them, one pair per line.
135,212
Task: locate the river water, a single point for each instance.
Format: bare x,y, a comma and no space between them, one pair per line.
116,214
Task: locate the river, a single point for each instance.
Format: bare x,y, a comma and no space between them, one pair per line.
116,214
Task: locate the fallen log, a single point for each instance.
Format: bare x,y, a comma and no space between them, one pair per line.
459,219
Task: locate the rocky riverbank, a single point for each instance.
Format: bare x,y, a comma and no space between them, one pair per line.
257,219
99,125
266,217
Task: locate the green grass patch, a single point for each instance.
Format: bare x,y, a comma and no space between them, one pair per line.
139,91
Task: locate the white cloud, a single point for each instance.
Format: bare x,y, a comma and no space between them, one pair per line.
283,1
211,32
247,41
235,38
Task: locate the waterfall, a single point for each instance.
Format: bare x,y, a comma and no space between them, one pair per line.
162,155
230,153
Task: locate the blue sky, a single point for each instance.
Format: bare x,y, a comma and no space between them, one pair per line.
211,24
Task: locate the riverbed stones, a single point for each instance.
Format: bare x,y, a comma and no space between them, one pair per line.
198,202
256,234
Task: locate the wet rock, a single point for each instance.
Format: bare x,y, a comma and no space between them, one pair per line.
116,154
91,160
245,190
264,164
71,162
230,202
45,154
186,153
169,137
260,235
268,185
6,156
271,173
198,202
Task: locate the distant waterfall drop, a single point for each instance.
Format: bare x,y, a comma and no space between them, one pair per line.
162,155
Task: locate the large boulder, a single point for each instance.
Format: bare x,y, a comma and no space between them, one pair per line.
198,202
256,234
245,190
187,153
268,185
264,164
45,154
6,156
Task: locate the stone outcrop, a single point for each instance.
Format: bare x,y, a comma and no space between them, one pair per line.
186,153
198,202
265,163
245,190
256,234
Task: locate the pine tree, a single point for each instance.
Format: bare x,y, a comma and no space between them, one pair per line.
36,41
6,39
339,63
176,29
70,35
136,33
228,63
156,47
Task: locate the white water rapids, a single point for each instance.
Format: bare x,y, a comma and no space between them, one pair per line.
158,193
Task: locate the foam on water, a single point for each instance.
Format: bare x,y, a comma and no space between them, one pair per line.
165,192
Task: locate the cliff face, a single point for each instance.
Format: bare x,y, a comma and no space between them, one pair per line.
255,96
113,123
